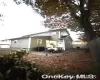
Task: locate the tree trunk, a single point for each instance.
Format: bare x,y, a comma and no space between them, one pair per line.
94,44
85,19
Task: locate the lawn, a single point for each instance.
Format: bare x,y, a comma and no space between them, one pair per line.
74,61
68,62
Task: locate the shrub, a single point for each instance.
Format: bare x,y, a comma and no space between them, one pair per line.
13,67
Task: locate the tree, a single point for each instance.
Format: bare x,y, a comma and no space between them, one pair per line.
64,21
85,12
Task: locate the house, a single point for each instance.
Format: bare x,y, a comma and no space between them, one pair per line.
58,37
5,43
80,44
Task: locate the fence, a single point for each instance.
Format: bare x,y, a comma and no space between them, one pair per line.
94,46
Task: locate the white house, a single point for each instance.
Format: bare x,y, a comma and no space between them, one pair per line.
80,44
5,43
59,37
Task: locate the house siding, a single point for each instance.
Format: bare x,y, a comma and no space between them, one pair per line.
20,43
58,34
68,43
34,41
55,35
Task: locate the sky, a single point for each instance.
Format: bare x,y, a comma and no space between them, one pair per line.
19,20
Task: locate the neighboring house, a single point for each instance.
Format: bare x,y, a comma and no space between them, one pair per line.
60,36
80,44
5,44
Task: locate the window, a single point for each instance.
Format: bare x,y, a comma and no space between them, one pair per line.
39,41
15,41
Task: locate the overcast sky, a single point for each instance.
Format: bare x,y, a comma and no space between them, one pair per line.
20,20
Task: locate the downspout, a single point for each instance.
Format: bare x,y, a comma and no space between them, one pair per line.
60,33
29,44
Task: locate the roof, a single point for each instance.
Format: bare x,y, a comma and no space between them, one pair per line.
4,44
35,34
18,38
42,32
68,36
